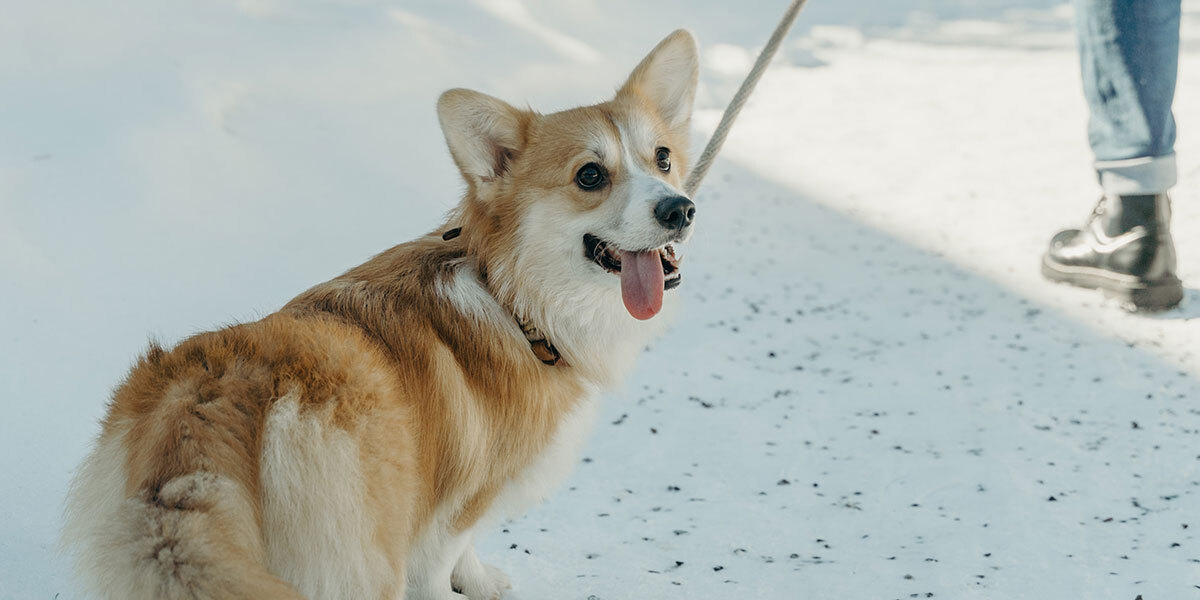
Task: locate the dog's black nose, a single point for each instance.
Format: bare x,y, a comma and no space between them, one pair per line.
675,212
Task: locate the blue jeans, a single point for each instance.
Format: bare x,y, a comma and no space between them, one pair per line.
1129,55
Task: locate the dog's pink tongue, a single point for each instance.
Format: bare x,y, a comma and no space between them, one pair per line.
642,283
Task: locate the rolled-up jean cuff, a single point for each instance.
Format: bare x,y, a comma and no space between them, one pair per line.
1136,176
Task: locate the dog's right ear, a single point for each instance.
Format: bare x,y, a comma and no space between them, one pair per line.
667,78
483,133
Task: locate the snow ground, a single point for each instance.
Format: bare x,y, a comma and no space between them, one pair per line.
869,394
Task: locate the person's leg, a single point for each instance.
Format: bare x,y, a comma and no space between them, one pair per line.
1129,57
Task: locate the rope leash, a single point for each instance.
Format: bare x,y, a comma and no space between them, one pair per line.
739,99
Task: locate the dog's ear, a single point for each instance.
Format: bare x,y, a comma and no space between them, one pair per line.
667,78
483,133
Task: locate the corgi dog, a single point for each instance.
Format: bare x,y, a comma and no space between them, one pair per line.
353,444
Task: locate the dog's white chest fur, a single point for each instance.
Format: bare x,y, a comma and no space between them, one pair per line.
442,553
551,467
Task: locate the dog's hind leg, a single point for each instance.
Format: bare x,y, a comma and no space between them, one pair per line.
194,537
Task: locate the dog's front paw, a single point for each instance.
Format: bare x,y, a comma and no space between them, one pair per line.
480,581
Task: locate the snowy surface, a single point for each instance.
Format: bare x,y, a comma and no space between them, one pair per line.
870,392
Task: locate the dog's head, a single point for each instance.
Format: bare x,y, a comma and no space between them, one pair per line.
585,201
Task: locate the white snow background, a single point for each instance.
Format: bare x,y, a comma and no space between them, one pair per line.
869,393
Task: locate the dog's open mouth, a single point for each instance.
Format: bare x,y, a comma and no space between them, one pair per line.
645,274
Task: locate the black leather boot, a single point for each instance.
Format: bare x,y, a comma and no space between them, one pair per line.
1125,249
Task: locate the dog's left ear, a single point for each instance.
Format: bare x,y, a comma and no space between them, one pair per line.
483,133
667,78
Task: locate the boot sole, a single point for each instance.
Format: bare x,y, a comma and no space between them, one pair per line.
1160,294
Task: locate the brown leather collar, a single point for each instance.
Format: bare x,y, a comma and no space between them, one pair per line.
541,347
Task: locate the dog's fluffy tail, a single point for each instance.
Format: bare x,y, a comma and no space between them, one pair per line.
193,537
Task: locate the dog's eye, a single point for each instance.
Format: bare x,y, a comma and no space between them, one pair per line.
662,157
589,177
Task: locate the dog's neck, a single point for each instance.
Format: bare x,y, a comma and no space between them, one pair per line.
582,325
539,344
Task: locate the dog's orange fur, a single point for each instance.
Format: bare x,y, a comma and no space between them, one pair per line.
444,408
